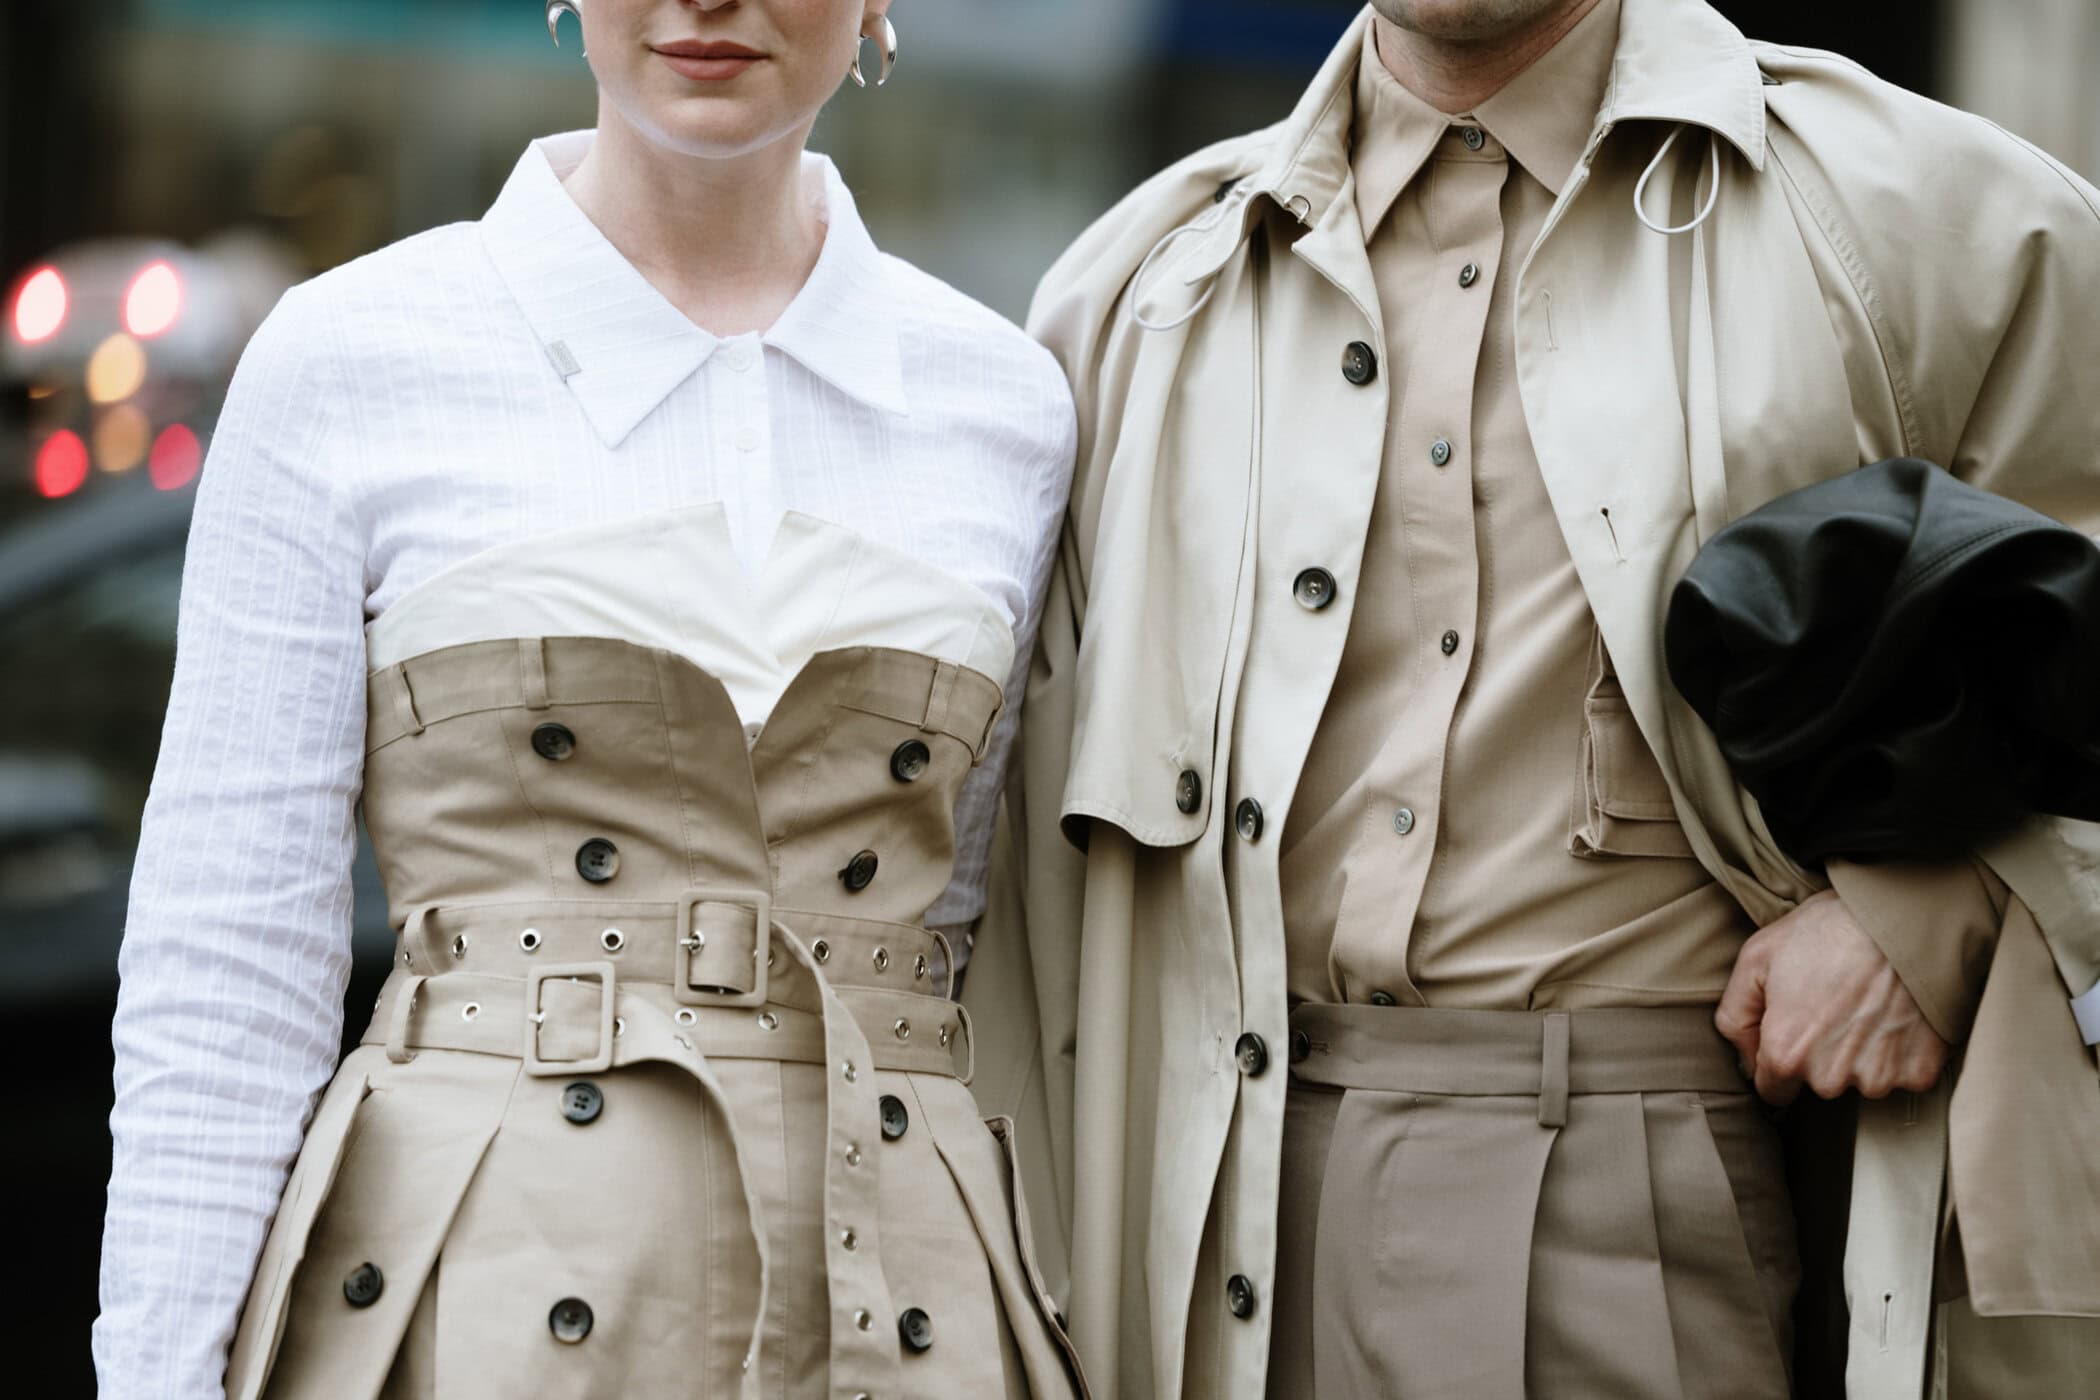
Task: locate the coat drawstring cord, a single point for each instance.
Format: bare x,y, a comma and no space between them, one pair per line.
1713,193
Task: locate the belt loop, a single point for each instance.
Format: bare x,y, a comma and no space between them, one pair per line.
1553,1072
939,696
416,938
397,1024
532,671
405,702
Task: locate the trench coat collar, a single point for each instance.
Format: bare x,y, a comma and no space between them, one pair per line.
622,348
1675,61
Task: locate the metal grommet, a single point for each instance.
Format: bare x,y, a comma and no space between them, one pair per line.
459,945
902,1028
404,957
947,1035
820,950
882,960
918,967
612,940
770,960
863,1319
851,1073
529,940
852,1154
768,1021
470,1011
686,1016
619,1026
849,1240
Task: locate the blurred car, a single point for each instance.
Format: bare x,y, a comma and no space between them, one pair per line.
88,593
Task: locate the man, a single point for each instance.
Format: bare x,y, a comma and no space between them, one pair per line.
1375,1025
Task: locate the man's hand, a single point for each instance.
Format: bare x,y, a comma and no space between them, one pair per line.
1812,1000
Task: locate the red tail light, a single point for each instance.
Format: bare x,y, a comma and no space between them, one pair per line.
175,458
61,465
153,301
40,306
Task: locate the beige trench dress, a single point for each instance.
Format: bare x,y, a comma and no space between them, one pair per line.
666,1095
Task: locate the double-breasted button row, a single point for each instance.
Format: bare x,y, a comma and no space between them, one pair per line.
1239,1296
597,860
1359,362
1252,1052
908,763
1301,1047
582,1102
895,1118
1314,589
363,1285
915,1329
1248,819
1188,791
554,742
859,872
570,1321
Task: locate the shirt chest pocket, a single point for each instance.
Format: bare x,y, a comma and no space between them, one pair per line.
1622,802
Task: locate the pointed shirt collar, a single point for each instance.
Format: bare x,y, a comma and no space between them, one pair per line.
622,348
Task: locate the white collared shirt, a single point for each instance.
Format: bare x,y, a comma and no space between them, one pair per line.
472,387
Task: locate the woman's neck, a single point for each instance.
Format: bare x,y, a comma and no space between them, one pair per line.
728,242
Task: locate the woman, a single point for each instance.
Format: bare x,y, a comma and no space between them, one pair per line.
654,557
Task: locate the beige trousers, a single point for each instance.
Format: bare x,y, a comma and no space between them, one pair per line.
1500,1205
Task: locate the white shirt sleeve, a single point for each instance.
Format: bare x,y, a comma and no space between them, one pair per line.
237,948
1051,423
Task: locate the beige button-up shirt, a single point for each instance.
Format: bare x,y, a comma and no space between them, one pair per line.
1480,823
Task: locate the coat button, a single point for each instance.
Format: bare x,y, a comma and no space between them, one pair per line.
1383,999
915,1329
1404,820
908,763
1188,791
1473,136
1314,589
554,741
1449,643
570,1320
894,1119
1301,1047
859,872
1439,452
1239,1295
1469,274
1248,819
1359,363
363,1285
1253,1054
582,1102
597,860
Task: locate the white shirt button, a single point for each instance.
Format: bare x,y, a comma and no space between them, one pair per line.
741,356
747,440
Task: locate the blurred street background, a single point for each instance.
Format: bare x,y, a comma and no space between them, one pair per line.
168,167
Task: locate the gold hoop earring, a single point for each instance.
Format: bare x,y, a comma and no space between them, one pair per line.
888,39
555,10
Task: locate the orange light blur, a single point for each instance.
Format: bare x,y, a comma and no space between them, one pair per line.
153,302
61,465
121,437
116,370
175,458
40,306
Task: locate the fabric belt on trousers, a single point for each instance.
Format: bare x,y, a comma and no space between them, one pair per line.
1552,1054
579,988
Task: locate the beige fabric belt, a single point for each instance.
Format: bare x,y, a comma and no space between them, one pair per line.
1550,1054
582,987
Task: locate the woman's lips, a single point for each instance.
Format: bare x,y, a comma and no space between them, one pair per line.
708,62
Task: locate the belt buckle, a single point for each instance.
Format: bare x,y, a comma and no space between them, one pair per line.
692,940
536,1016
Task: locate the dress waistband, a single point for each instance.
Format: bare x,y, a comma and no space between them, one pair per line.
1549,1054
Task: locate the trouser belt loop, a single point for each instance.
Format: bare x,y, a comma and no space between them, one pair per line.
532,672
1553,1072
405,702
397,1024
420,940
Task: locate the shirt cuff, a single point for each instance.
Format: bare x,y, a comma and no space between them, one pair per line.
1937,923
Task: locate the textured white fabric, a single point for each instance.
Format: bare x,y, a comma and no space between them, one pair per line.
475,385
672,580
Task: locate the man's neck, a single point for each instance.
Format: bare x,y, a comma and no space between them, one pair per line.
1454,75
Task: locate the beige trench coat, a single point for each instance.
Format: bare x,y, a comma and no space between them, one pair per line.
1879,276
